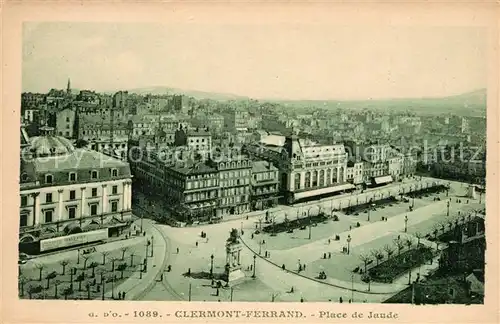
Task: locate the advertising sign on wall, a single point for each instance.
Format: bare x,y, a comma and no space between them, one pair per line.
74,239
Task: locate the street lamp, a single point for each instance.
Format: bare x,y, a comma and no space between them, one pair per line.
406,223
152,238
348,243
352,288
211,266
309,217
448,208
254,258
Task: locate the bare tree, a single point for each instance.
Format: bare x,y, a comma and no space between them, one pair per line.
56,285
85,259
400,245
409,242
124,249
378,255
104,254
113,260
365,258
22,280
40,267
63,263
389,250
419,236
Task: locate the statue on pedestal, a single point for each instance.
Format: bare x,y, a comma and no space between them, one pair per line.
233,258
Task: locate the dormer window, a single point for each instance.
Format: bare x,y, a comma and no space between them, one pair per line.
114,172
72,176
49,178
94,175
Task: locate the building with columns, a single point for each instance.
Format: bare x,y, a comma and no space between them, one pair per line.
70,196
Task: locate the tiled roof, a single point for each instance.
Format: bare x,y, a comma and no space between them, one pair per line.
263,166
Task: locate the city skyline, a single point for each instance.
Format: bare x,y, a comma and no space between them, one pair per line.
261,62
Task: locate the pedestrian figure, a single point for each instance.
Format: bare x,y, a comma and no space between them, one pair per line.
123,295
304,267
328,241
189,272
177,250
263,242
329,255
144,233
256,226
291,290
251,236
251,267
399,236
340,300
301,299
283,266
247,217
324,255
349,301
196,243
217,292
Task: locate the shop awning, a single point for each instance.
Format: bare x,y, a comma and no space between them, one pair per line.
382,180
323,191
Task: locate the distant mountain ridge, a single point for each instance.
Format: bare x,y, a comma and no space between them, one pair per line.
467,104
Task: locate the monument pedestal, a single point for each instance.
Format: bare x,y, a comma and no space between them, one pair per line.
235,277
233,262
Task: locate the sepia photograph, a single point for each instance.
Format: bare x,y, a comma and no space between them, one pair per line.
251,163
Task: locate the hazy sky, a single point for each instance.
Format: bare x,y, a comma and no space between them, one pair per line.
271,61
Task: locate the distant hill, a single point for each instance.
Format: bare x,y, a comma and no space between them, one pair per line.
191,93
467,104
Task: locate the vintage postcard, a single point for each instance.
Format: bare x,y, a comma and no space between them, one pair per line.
257,163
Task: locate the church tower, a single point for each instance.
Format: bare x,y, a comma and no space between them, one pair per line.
68,88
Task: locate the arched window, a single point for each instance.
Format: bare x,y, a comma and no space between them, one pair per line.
322,177
334,175
307,180
341,174
297,181
315,178
328,176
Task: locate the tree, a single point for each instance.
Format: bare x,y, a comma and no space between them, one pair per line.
132,254
67,291
104,254
124,249
365,258
63,263
85,259
400,245
49,277
81,143
40,267
113,260
22,281
378,255
79,279
389,250
56,284
88,284
34,290
121,267
418,235
93,265
409,242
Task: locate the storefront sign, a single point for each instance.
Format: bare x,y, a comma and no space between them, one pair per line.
74,239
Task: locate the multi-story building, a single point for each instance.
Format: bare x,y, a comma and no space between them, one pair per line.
375,159
65,122
197,139
234,181
94,126
70,196
313,170
354,172
236,120
265,185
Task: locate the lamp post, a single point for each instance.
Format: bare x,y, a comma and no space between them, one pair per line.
406,223
352,288
448,208
189,292
152,238
309,217
78,256
260,247
254,259
211,266
348,244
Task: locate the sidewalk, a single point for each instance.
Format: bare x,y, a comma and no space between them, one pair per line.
133,287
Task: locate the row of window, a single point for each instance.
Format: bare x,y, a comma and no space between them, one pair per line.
234,200
265,176
236,173
201,196
234,182
201,184
72,195
71,214
72,176
235,191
